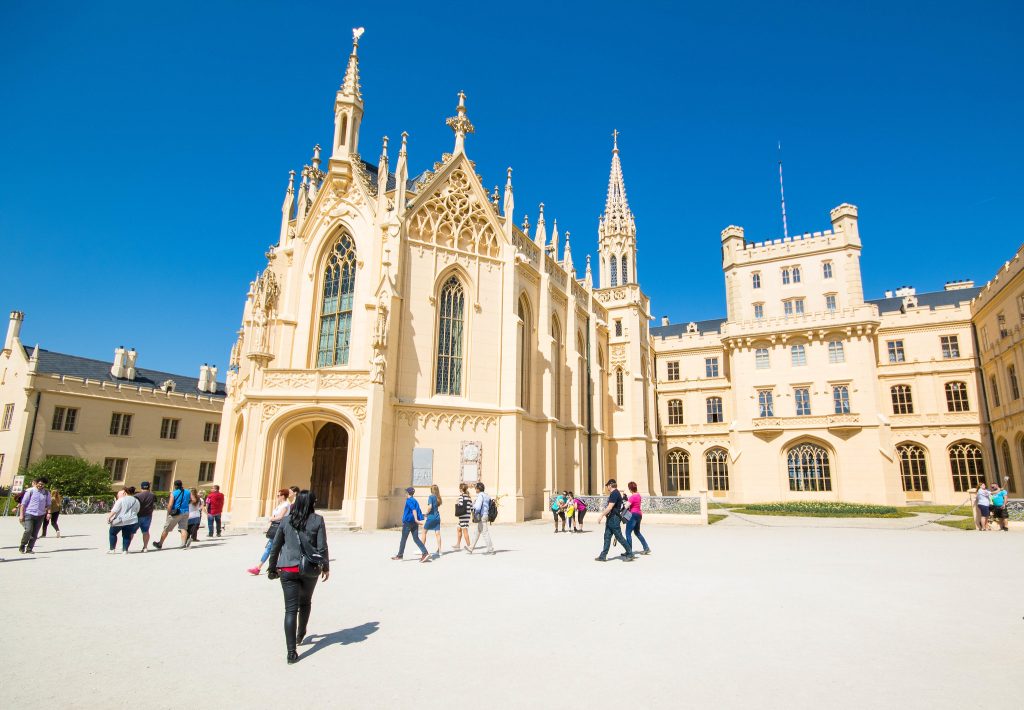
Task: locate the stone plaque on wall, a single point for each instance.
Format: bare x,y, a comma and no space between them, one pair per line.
422,467
472,456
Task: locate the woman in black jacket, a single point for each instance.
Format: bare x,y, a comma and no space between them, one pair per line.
286,555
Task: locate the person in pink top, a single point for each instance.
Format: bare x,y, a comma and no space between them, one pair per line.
633,526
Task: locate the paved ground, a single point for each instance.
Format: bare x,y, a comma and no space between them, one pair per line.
730,615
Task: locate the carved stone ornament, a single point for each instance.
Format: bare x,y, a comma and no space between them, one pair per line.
289,380
342,381
377,367
456,218
617,357
447,420
359,411
270,411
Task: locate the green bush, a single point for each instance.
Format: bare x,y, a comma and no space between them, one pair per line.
74,477
824,509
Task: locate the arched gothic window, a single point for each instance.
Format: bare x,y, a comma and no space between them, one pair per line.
581,377
913,469
524,353
678,471
336,307
675,411
625,269
716,462
966,463
556,369
613,267
450,327
1007,463
620,388
809,469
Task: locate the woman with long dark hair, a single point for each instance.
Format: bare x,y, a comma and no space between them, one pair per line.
302,535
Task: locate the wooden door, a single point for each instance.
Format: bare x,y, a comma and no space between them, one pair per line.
330,456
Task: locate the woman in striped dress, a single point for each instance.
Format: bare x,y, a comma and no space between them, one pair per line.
464,509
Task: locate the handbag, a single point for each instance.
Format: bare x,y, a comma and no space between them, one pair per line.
311,563
460,508
272,530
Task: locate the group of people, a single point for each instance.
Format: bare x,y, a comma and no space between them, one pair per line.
475,510
133,512
991,503
38,509
568,510
616,511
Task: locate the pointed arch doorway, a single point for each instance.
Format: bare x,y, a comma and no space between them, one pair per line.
330,458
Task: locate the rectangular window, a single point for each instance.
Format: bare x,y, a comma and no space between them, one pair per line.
758,311
163,474
715,410
799,355
826,269
206,471
64,418
896,351
765,403
787,307
120,424
841,399
796,274
673,371
1001,322
5,424
902,400
956,397
212,432
169,428
802,396
761,361
950,346
711,366
799,305
830,303
836,354
785,276
755,279
117,468
618,328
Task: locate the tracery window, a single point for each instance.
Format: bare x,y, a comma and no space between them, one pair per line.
809,468
995,390
716,462
841,399
675,411
620,393
913,469
755,279
826,269
956,397
678,471
614,269
556,369
902,400
1011,371
625,269
336,307
966,463
765,403
525,351
451,324
581,376
714,406
1007,465
802,397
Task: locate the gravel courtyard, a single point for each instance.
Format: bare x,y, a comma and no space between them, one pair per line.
732,615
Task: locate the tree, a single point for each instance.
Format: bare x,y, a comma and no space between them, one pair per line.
73,476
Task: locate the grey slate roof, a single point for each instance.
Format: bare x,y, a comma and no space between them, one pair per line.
371,170
712,325
932,300
99,371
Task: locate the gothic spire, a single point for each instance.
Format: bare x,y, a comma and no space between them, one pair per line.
617,217
508,206
350,86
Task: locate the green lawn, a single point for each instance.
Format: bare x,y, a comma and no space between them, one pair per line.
714,518
823,509
958,523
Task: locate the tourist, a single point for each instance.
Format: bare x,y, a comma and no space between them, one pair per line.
984,502
481,513
636,515
433,519
123,519
411,515
581,510
214,508
570,511
612,515
280,511
195,517
558,511
147,502
298,555
293,491
464,511
33,508
56,501
177,515
998,506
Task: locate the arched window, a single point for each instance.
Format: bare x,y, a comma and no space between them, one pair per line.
715,410
902,400
966,463
913,469
1007,463
956,397
995,390
524,352
556,369
620,391
717,463
625,269
809,468
1011,371
581,377
675,411
336,307
451,323
602,389
614,271
678,471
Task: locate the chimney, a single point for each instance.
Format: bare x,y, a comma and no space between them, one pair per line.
130,357
14,331
664,321
957,285
120,367
204,378
213,380
905,291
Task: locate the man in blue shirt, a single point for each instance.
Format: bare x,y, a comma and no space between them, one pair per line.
177,514
34,507
411,517
612,514
481,511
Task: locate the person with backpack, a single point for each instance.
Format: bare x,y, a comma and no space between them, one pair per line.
147,501
299,557
177,515
484,512
411,517
195,517
636,515
612,515
463,511
32,510
581,510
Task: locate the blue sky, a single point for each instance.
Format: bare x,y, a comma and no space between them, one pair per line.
145,148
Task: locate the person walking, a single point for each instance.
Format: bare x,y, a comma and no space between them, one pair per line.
581,510
147,502
463,511
558,511
214,508
33,508
280,511
481,513
195,518
302,534
123,519
177,515
433,519
998,506
984,499
411,517
636,515
56,501
612,515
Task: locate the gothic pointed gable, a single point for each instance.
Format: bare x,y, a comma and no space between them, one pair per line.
453,211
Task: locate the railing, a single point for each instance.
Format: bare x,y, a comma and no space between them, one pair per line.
527,248
554,270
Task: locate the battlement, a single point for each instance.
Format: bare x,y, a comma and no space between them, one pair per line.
844,233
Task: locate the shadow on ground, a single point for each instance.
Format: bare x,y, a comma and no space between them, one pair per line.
357,634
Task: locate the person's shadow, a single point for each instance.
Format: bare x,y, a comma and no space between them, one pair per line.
356,634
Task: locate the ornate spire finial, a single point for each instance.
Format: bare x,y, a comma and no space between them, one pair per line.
316,157
617,217
615,140
405,139
291,181
460,124
350,87
494,197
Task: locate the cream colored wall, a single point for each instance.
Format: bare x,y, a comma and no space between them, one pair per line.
14,376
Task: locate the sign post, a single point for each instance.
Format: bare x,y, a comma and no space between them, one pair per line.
17,486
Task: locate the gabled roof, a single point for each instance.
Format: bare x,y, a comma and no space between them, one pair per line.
713,325
932,300
99,371
371,170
